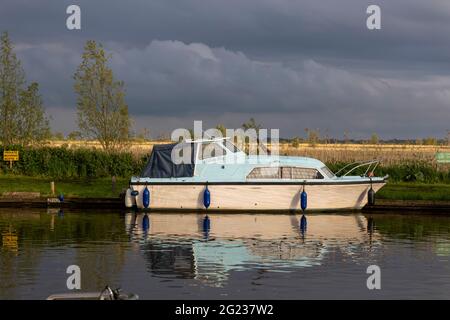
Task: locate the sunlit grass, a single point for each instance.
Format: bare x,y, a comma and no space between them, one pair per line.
415,191
95,188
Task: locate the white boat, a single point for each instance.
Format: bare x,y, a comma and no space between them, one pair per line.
228,179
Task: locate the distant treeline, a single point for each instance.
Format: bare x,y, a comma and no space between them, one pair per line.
374,140
80,163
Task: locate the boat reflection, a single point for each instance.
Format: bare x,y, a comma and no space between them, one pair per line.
209,247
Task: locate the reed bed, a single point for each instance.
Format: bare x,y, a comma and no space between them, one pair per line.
389,154
346,153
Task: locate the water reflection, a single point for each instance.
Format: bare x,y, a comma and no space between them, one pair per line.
159,252
208,248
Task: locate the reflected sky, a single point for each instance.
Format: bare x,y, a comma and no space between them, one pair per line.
194,256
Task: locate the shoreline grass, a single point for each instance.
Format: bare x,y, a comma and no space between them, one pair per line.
415,191
82,188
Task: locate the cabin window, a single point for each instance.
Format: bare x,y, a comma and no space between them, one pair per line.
284,173
265,173
305,173
300,173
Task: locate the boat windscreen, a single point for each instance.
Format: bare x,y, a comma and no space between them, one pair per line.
160,164
328,172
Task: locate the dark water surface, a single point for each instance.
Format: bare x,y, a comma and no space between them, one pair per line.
254,256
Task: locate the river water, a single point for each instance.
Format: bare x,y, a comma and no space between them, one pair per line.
225,256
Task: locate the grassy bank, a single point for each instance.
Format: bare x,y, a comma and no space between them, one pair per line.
415,191
102,188
92,188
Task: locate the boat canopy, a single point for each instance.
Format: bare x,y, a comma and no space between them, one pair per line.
160,164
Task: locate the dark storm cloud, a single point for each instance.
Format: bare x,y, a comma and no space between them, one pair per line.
291,64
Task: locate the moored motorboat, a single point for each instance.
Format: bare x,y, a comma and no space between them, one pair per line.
228,179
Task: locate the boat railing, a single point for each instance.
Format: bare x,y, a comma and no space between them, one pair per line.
351,167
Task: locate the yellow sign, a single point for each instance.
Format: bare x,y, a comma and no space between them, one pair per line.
10,155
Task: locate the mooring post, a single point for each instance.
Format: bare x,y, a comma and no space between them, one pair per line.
52,187
113,184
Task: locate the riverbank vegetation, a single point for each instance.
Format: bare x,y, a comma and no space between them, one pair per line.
67,163
87,172
73,161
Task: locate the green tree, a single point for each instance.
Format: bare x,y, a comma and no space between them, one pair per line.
430,141
312,136
374,139
22,114
32,122
251,124
143,135
222,129
74,135
58,136
295,142
12,79
102,111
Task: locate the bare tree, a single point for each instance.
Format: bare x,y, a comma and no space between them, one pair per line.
251,124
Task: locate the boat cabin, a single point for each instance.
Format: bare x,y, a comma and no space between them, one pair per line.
219,159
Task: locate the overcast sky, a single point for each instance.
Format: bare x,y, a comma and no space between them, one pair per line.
290,64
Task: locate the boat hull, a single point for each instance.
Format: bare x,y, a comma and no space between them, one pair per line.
256,197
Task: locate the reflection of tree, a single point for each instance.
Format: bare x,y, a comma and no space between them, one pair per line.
22,256
101,249
412,227
36,231
433,229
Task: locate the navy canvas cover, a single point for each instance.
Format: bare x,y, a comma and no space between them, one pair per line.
160,164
